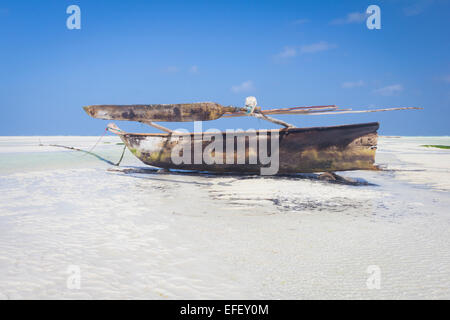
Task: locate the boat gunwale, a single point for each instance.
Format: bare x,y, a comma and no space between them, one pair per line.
282,130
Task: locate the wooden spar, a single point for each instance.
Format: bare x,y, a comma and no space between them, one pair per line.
157,126
361,111
276,121
300,109
204,111
201,111
317,112
182,112
295,110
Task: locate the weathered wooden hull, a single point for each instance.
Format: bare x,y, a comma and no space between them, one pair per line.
301,150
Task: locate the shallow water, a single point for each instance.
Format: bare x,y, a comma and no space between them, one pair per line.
164,236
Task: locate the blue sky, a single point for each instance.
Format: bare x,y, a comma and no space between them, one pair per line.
286,53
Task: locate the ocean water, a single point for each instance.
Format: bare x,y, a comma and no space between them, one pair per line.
179,236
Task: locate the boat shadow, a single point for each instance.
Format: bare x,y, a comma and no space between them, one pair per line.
327,177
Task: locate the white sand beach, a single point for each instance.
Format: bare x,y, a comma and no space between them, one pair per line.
174,236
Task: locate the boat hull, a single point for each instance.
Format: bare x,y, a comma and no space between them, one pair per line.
300,150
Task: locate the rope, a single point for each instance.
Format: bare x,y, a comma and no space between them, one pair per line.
250,109
91,153
121,157
250,105
98,141
101,137
90,150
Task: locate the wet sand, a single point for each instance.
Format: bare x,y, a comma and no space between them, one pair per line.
166,236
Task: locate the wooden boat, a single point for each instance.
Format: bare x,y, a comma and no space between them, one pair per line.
338,148
279,151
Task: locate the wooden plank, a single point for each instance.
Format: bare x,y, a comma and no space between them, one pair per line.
201,111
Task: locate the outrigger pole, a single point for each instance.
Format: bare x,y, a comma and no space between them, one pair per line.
204,111
253,110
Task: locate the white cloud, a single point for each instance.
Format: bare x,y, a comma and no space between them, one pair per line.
417,8
288,52
170,69
352,17
389,90
301,21
193,69
352,84
316,47
243,87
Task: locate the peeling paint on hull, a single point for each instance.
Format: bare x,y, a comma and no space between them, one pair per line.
301,150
